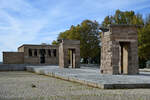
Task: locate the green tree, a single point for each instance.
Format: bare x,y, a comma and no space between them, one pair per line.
88,34
144,42
108,20
127,17
55,42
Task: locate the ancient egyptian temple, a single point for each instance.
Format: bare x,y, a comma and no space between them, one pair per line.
119,50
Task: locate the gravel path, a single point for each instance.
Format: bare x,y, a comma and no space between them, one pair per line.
29,86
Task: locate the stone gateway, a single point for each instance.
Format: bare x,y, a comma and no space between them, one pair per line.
119,50
69,54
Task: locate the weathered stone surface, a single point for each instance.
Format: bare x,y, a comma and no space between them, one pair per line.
48,54
13,58
92,77
119,50
31,54
12,67
72,47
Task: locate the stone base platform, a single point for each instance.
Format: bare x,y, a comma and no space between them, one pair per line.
17,67
92,77
12,67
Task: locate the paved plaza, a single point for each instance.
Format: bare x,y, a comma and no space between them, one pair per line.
92,77
19,86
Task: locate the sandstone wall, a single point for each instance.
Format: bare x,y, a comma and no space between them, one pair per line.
64,47
13,57
52,60
111,50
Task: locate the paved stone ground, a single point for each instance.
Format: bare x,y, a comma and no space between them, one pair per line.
92,75
19,86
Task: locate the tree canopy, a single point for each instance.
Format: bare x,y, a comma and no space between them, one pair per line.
127,17
88,34
55,42
144,42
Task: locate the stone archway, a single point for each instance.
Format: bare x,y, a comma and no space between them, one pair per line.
42,56
124,56
73,58
119,50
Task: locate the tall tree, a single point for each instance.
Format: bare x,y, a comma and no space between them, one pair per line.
127,17
144,42
54,42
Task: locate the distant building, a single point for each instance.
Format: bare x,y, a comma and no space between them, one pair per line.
33,54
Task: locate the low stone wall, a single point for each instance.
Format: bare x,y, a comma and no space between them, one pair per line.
90,65
12,67
13,58
18,67
22,67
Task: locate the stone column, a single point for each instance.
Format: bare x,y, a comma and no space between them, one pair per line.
133,58
46,53
32,52
71,58
66,62
61,56
115,56
74,62
38,55
52,55
77,57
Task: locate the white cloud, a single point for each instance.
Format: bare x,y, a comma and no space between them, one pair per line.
17,31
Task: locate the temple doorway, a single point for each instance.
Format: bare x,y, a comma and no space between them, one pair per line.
72,58
124,46
42,56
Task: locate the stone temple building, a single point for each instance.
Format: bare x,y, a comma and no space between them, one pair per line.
67,54
119,50
32,54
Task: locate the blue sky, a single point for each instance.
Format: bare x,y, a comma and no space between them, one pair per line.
40,21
